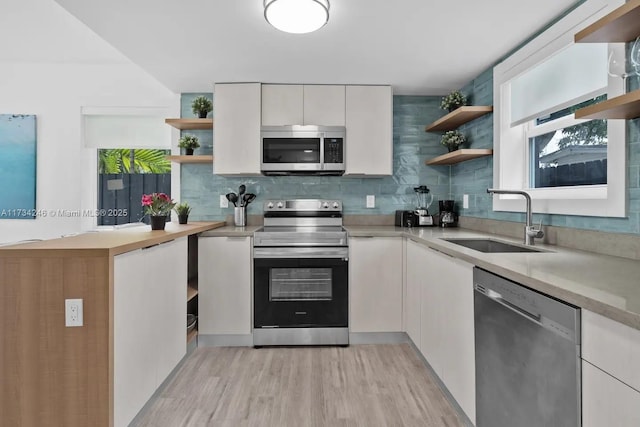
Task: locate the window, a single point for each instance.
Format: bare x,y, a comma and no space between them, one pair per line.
124,175
569,166
126,149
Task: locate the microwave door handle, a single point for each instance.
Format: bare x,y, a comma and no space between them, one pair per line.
321,135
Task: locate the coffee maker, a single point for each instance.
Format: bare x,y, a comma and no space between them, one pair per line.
447,216
424,200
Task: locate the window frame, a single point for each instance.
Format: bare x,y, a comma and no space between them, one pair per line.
511,144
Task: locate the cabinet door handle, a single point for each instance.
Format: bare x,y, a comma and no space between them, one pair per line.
439,251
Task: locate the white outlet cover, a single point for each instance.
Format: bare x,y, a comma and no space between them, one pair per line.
224,203
73,312
465,201
371,201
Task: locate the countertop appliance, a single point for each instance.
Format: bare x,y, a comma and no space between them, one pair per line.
447,216
527,356
303,150
301,275
406,219
424,200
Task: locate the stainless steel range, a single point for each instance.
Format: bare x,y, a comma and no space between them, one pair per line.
301,274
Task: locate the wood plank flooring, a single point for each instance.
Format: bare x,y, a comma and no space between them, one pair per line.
360,385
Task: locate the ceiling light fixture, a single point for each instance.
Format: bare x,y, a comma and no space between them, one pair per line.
297,16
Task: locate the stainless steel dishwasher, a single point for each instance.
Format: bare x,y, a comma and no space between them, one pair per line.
527,356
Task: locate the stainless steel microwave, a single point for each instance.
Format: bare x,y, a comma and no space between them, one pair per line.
303,150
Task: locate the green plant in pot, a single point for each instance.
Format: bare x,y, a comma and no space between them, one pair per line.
183,210
189,143
453,140
453,101
201,106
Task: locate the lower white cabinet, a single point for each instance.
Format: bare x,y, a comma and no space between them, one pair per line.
416,273
607,401
444,286
375,284
610,372
224,285
149,322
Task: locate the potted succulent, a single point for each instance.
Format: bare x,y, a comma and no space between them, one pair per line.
453,101
189,143
201,106
183,210
453,140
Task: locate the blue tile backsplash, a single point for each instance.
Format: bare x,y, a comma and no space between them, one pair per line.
411,147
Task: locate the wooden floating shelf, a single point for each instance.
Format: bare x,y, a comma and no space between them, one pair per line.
625,106
191,159
190,124
621,25
459,156
458,117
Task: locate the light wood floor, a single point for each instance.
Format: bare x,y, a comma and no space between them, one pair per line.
360,385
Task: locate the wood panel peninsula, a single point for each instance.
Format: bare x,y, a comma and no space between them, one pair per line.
133,283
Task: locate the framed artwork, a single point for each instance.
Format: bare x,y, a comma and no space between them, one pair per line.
17,166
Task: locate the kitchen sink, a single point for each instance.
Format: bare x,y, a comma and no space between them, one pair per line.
491,246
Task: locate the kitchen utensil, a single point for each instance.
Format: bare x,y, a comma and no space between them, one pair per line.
241,191
233,198
248,198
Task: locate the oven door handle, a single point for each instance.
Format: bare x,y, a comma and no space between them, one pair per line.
302,252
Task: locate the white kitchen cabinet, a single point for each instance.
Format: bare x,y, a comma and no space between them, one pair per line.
149,322
224,285
282,105
415,275
447,325
375,284
322,105
369,122
236,142
607,401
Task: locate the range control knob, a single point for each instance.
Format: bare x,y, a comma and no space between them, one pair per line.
279,205
325,205
336,205
270,205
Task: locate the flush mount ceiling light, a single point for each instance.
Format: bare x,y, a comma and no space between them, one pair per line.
297,16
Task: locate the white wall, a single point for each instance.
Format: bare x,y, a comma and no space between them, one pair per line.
55,91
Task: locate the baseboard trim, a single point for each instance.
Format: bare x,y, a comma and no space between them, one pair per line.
215,340
378,338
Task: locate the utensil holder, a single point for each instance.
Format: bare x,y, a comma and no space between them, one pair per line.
240,216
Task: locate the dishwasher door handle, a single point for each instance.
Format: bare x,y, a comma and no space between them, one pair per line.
497,297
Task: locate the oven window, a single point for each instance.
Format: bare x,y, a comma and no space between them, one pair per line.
300,284
291,150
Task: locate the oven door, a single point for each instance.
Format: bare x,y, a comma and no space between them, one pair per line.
304,292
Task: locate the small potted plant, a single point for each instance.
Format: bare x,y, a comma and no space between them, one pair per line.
453,101
183,210
201,106
189,143
453,140
157,206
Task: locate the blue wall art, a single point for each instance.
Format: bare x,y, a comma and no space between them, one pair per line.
17,166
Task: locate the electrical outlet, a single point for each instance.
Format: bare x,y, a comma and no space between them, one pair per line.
371,201
465,201
73,312
224,203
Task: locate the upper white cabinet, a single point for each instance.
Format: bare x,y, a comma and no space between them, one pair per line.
322,105
236,143
375,284
369,122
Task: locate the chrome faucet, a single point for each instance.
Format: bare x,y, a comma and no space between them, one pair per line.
530,232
